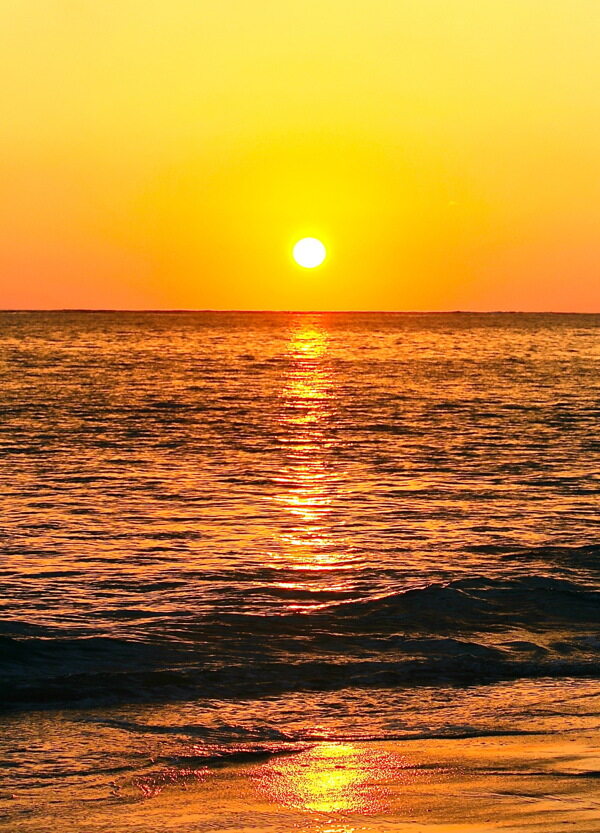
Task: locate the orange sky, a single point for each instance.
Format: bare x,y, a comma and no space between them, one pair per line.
168,154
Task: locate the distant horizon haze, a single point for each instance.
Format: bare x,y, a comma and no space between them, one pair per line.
232,310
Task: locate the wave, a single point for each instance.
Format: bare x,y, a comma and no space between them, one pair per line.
250,737
464,632
463,604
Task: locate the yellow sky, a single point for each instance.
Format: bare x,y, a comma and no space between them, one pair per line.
168,153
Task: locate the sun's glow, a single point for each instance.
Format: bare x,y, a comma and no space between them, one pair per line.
309,252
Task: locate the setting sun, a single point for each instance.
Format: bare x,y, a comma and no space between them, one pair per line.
309,252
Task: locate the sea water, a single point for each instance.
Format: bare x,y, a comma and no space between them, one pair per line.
235,534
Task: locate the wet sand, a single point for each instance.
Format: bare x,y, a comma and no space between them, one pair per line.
473,785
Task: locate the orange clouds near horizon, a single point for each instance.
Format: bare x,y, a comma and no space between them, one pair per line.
168,155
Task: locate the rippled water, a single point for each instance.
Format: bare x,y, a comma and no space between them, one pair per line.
206,508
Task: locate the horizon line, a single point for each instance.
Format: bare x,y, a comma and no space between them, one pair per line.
167,310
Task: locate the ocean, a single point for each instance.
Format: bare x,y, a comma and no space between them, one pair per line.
232,536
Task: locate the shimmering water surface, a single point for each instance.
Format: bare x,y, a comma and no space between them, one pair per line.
247,532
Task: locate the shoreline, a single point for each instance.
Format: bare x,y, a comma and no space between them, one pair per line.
545,782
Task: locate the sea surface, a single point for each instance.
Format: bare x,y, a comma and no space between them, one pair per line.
227,535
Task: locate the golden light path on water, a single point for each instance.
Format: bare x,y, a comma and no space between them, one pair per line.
335,779
308,480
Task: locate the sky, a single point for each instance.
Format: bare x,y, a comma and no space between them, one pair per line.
169,153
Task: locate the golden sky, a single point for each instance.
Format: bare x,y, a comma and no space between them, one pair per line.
168,153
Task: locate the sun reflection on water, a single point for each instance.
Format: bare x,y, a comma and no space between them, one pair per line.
308,481
336,778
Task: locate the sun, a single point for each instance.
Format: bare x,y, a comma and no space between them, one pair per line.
309,252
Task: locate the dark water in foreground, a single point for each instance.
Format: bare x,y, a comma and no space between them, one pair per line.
248,530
